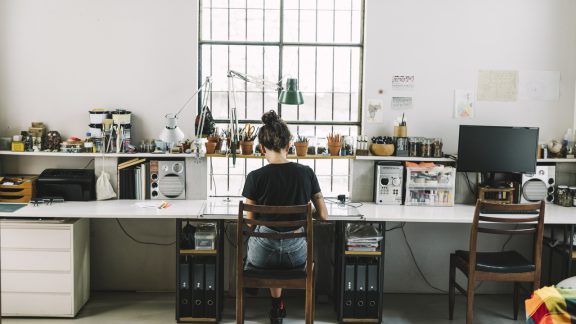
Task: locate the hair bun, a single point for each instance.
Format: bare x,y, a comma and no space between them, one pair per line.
270,117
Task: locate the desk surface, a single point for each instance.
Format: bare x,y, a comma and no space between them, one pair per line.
554,214
220,209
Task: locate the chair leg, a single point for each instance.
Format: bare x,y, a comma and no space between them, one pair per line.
451,288
470,299
309,315
516,299
239,303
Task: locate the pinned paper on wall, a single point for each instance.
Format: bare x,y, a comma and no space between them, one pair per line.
402,103
375,111
497,85
403,82
539,85
463,104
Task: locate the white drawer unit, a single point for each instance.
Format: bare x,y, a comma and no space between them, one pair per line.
45,267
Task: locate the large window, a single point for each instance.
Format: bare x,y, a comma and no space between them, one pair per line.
320,42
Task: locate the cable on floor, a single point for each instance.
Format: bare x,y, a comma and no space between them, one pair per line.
138,241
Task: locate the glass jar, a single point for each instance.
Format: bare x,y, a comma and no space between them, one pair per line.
415,146
573,194
437,147
427,147
562,196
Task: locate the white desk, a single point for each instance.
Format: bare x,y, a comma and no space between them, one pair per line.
110,209
554,214
218,208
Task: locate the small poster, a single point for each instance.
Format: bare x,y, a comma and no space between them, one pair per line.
463,104
375,111
402,103
403,82
539,85
497,85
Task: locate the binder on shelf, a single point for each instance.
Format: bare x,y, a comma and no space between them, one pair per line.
349,295
210,290
198,290
360,305
372,291
184,287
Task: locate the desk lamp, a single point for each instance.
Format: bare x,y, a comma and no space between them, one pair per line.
289,96
171,133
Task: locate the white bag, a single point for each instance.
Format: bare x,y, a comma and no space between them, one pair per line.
104,189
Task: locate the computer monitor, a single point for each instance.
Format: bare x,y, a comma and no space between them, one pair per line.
490,149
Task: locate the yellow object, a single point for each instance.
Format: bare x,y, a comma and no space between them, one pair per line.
382,149
17,146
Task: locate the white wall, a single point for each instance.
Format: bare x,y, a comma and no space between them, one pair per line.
60,58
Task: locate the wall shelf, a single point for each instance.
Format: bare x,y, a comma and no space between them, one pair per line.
97,155
401,158
292,157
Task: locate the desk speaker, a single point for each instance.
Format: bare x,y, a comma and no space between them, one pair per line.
539,185
167,179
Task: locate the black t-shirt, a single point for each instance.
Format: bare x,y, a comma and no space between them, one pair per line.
283,184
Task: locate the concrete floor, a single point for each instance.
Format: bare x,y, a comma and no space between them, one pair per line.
158,308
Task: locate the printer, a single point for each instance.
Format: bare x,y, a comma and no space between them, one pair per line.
70,184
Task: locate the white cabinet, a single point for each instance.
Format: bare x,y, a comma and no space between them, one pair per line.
45,267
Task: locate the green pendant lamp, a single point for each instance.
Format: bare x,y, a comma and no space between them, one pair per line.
291,95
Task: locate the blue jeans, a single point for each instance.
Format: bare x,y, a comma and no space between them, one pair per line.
276,254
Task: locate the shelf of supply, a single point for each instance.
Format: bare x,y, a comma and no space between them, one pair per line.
363,253
430,186
292,157
201,252
97,155
402,158
557,160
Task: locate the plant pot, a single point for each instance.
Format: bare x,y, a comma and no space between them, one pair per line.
247,147
210,147
301,148
334,149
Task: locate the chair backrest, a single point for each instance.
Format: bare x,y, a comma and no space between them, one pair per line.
527,218
246,227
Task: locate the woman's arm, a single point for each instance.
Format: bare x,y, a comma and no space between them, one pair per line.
321,212
250,215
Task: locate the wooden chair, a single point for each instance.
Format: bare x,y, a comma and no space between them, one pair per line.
498,266
249,276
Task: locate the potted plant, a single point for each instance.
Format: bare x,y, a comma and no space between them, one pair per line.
301,145
247,135
334,144
213,143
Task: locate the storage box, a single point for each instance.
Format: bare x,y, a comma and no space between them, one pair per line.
430,186
21,191
205,237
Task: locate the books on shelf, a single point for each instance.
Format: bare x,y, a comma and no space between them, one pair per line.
133,180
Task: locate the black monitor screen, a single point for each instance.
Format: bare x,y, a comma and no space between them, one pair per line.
497,149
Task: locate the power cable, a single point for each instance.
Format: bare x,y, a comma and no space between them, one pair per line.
137,240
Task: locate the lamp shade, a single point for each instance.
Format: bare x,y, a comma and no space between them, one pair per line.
291,95
171,132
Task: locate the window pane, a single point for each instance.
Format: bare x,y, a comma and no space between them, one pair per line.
307,29
206,26
272,4
255,4
219,24
356,26
343,4
324,106
237,24
340,167
272,25
255,28
325,69
219,105
342,70
343,27
290,25
325,4
325,26
341,106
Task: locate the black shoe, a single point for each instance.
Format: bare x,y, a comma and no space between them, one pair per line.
277,315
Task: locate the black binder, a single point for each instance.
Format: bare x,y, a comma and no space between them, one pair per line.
349,287
210,290
372,292
360,306
184,287
198,290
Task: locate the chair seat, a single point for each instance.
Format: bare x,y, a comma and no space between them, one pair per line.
501,262
264,273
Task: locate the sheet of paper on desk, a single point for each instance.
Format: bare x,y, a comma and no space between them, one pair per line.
341,210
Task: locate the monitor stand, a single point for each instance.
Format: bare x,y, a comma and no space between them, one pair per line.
488,180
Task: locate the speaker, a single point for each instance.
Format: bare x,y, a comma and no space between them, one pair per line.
167,179
539,185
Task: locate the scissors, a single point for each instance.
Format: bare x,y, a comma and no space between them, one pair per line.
248,131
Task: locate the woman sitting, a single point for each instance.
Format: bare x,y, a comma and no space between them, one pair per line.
280,183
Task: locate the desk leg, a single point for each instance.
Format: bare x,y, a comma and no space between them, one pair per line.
570,249
550,254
